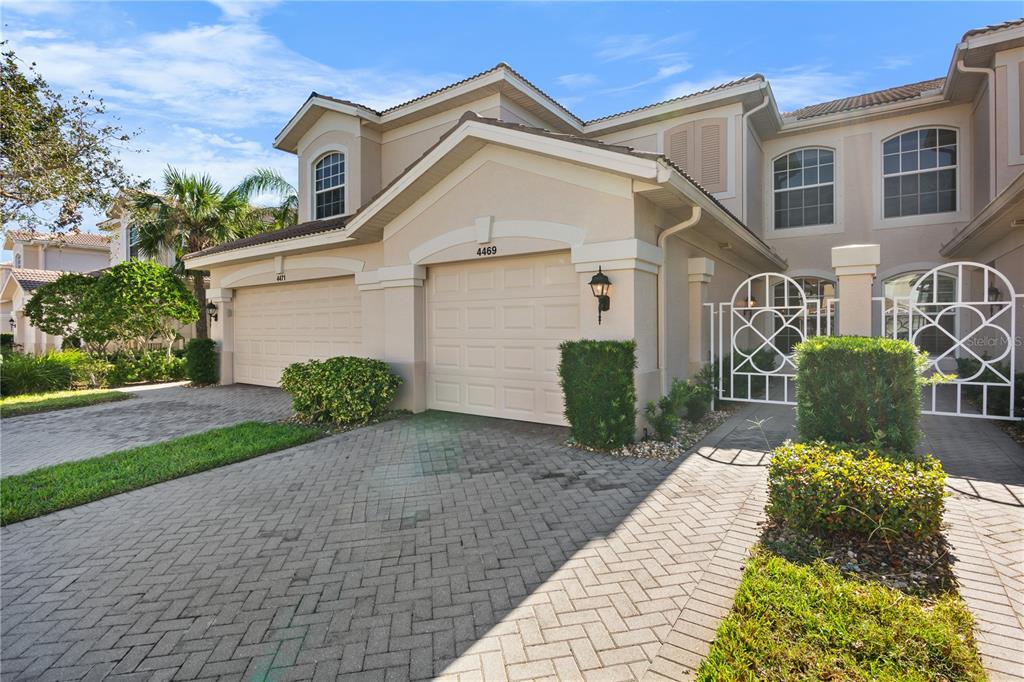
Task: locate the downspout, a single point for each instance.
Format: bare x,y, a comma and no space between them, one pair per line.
743,156
991,76
662,298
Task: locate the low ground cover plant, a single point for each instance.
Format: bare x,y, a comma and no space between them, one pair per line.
31,403
600,396
684,399
795,622
830,489
853,389
21,373
70,484
75,369
344,390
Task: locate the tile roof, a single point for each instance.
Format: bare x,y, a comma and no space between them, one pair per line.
318,226
870,99
86,239
993,27
721,86
33,279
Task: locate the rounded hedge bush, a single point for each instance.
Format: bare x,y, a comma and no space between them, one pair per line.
342,390
201,361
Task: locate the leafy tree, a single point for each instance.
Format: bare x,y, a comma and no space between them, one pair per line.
191,213
269,181
130,303
56,154
60,308
139,300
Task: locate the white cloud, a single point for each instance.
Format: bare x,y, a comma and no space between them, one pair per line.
639,46
793,87
895,63
39,7
229,75
244,10
578,80
661,74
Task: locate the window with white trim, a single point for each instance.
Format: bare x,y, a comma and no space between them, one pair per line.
804,182
133,242
329,186
17,260
919,172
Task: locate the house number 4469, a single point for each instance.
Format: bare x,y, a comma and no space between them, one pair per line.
487,250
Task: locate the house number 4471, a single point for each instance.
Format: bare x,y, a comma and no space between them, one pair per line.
487,250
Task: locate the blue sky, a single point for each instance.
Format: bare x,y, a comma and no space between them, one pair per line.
209,84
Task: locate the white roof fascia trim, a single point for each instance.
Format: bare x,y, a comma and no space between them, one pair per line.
611,160
275,248
324,103
544,101
687,189
790,124
671,107
404,110
1003,201
994,37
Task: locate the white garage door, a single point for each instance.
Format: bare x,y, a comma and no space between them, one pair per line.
279,324
493,329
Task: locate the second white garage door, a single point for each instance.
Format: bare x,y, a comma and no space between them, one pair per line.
493,329
279,324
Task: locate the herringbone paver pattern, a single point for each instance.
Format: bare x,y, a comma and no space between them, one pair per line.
437,545
985,517
154,414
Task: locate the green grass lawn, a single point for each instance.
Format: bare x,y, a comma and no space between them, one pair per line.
70,484
809,622
30,403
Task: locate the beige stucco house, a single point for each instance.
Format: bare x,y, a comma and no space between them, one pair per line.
454,235
38,258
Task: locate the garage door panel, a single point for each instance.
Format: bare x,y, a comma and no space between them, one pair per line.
279,324
493,333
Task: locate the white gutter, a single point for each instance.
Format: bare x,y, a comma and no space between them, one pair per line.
991,75
694,218
743,155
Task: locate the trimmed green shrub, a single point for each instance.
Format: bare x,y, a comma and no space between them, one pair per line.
21,373
698,402
853,389
6,341
87,371
146,366
829,489
201,361
342,390
600,396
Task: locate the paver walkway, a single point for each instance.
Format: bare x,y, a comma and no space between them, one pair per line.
985,517
154,414
432,545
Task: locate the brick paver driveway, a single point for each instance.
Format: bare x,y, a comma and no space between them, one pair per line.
432,545
154,414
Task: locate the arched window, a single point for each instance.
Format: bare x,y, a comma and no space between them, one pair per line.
17,260
919,172
817,292
804,182
329,186
940,289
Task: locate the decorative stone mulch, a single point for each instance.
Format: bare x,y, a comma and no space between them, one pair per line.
1014,430
922,568
686,437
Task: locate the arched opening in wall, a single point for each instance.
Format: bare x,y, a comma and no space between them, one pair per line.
819,293
936,335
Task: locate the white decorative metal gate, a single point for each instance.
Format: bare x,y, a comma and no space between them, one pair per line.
964,315
755,337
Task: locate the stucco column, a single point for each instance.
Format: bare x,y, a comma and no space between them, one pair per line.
700,271
400,336
632,267
856,266
222,330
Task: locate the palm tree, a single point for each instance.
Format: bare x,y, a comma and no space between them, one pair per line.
269,181
191,213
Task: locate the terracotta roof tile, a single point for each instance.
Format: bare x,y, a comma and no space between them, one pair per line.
993,27
722,86
870,99
301,230
33,279
87,239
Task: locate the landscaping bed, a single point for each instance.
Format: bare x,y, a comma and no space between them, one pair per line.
688,434
70,484
31,403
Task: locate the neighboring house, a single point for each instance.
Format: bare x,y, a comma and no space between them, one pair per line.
455,235
38,258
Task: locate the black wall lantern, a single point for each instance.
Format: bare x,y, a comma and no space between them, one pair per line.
601,285
14,325
211,310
